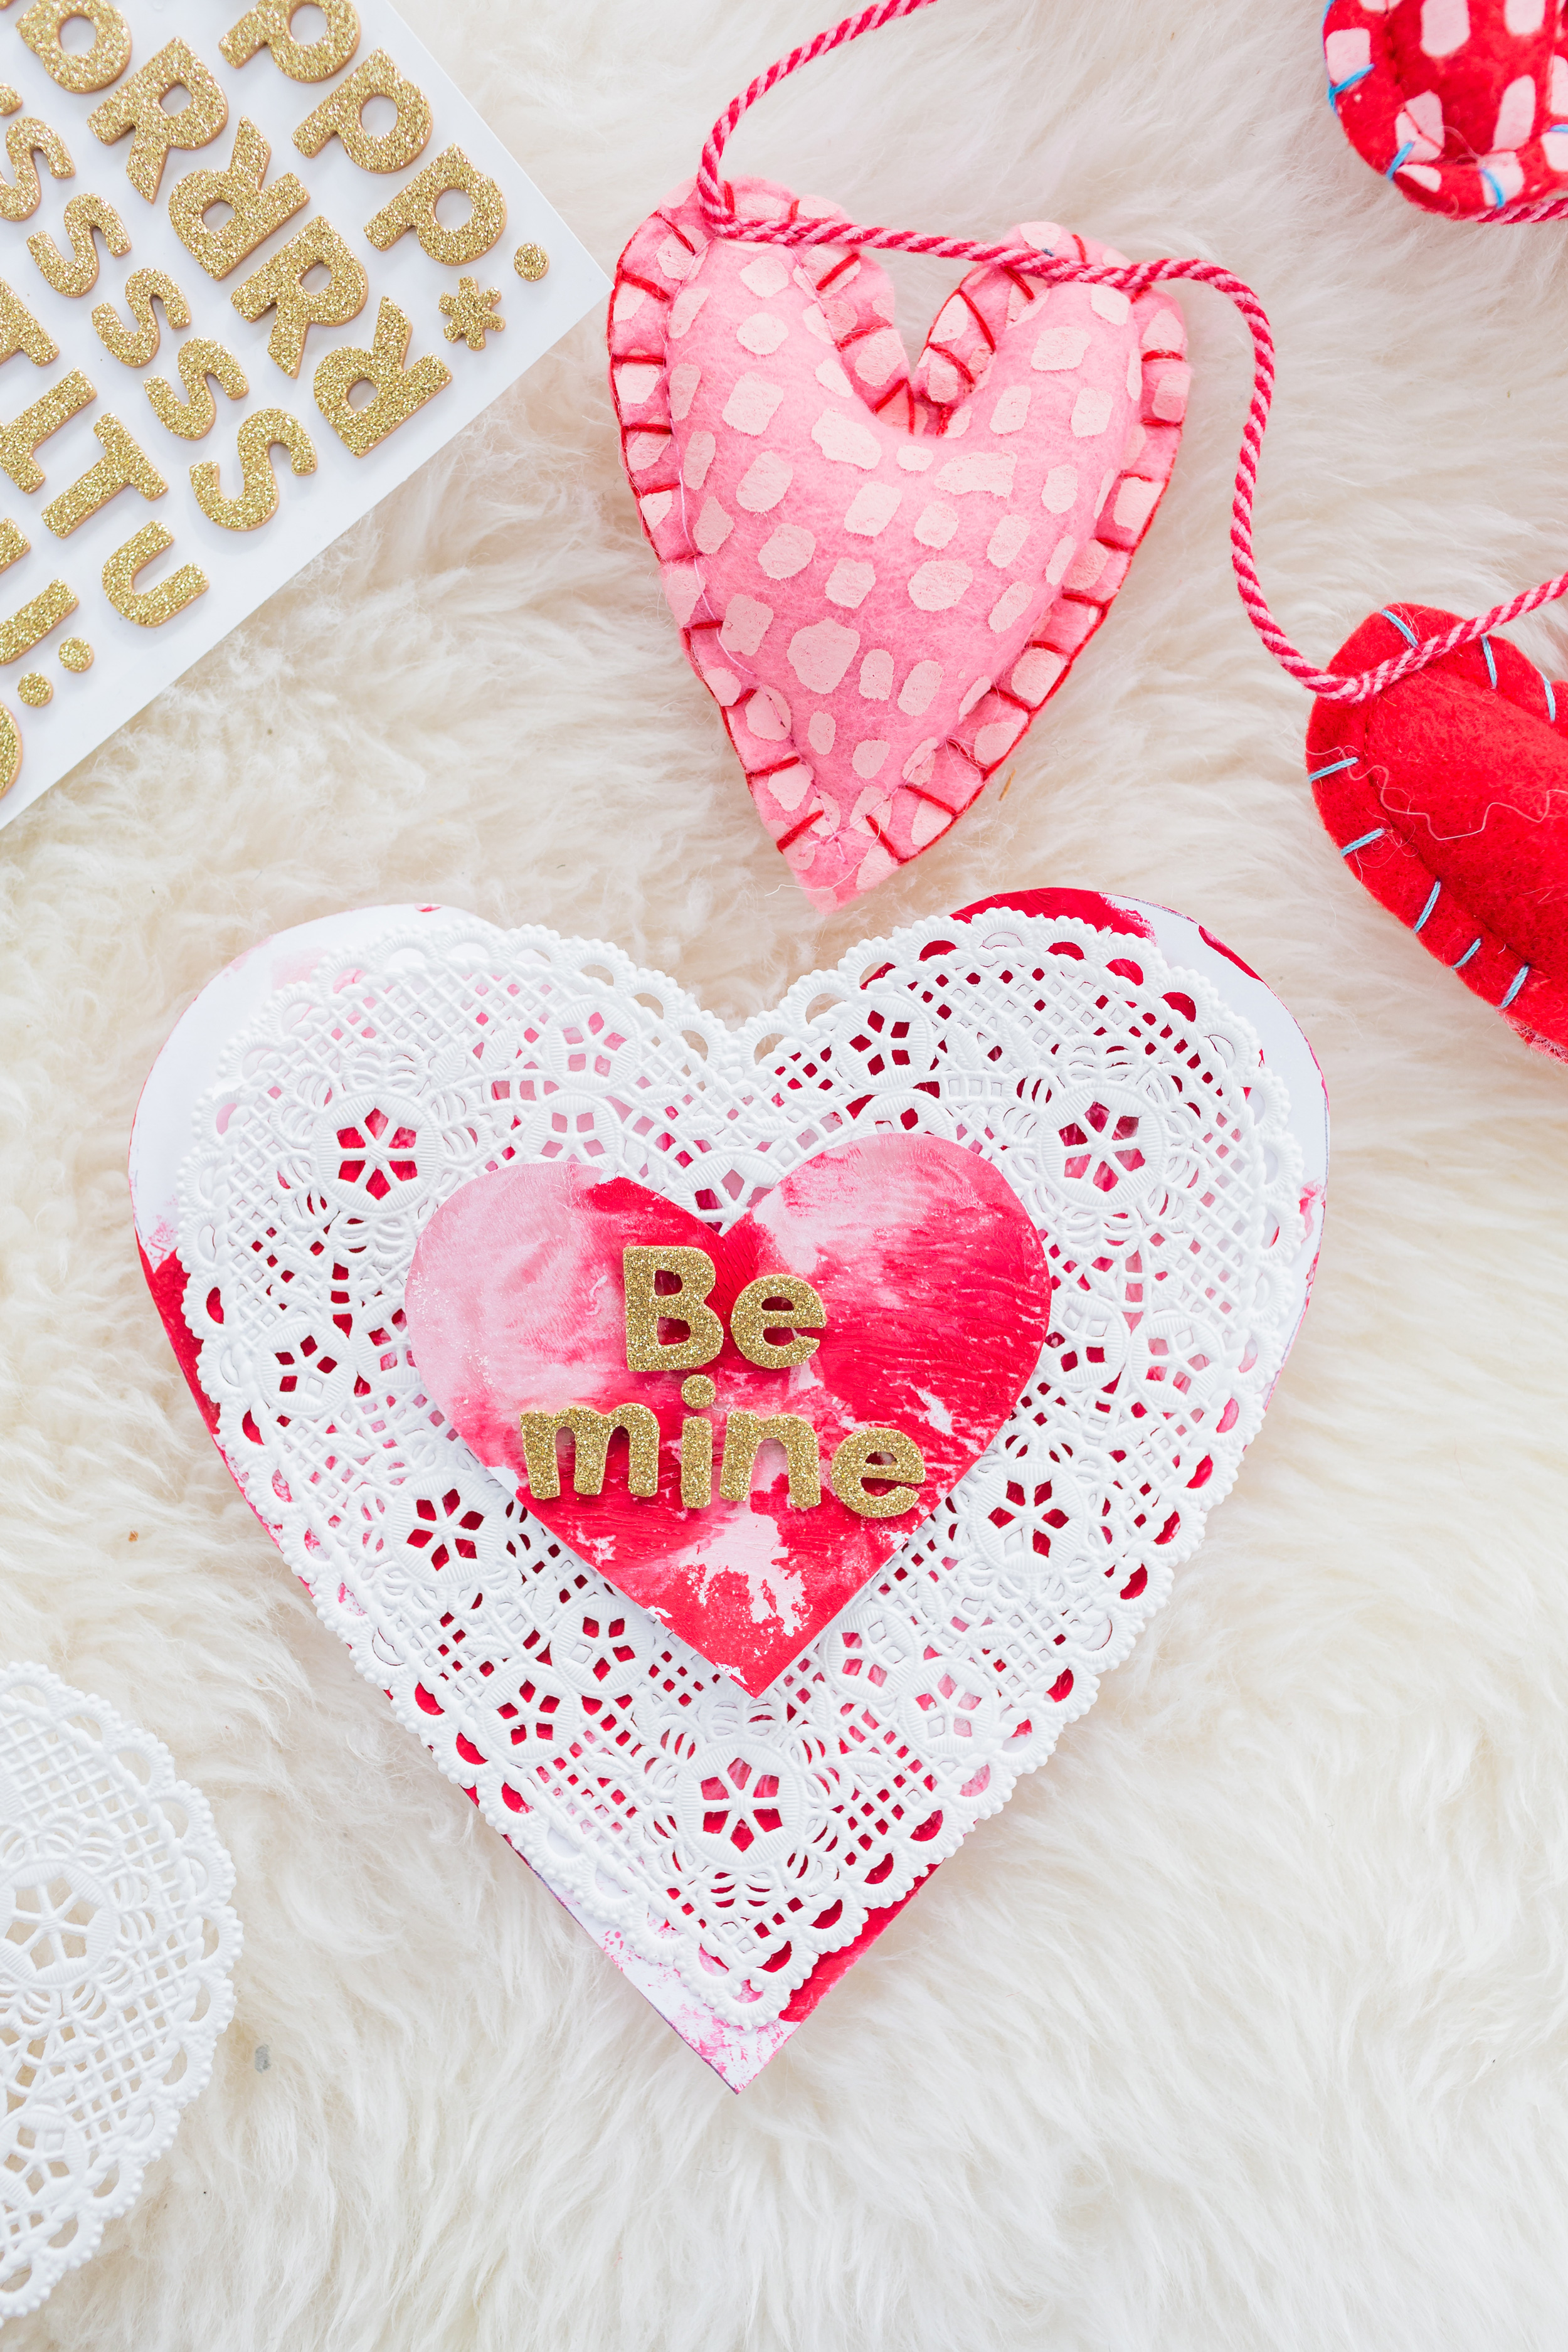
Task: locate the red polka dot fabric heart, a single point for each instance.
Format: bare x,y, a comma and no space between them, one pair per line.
1463,104
882,575
934,1302
1447,795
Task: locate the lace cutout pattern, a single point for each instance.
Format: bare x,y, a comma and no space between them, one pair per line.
116,1944
739,1840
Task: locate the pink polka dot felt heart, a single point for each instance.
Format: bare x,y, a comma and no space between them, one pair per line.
882,576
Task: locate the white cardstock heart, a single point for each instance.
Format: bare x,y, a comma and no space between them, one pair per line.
1157,1112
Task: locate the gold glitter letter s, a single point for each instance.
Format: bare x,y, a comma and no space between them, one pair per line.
278,283
139,107
267,25
414,207
138,345
745,1432
400,392
853,1464
20,332
123,467
339,117
80,70
80,275
647,1306
193,416
150,608
257,499
257,211
24,140
750,1321
591,1434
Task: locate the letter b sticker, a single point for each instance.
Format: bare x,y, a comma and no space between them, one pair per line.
646,1306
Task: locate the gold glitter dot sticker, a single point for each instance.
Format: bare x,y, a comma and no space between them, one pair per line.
76,654
470,313
34,689
530,261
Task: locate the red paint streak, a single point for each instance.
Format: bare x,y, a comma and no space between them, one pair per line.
1083,906
833,1965
1230,955
167,1283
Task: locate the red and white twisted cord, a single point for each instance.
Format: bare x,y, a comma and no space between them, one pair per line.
1133,278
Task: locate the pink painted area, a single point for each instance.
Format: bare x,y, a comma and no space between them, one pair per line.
1081,906
937,1297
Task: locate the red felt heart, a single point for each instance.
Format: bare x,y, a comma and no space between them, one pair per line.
937,1300
1463,104
1447,795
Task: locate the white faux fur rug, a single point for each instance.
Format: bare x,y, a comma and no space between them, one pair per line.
1246,2024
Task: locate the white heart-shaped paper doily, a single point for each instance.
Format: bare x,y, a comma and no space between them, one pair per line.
116,1944
1157,1112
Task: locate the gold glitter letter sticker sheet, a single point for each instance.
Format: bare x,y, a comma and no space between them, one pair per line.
255,268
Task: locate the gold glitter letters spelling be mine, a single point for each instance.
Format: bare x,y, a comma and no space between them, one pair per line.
773,1303
185,141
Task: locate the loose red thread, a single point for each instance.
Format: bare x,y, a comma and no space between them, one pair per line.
717,199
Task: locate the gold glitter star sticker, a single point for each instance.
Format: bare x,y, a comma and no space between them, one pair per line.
470,313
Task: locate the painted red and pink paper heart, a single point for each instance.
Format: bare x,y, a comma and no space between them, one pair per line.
882,576
1152,1112
935,1303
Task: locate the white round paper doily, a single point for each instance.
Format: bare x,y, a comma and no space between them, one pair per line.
116,1944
